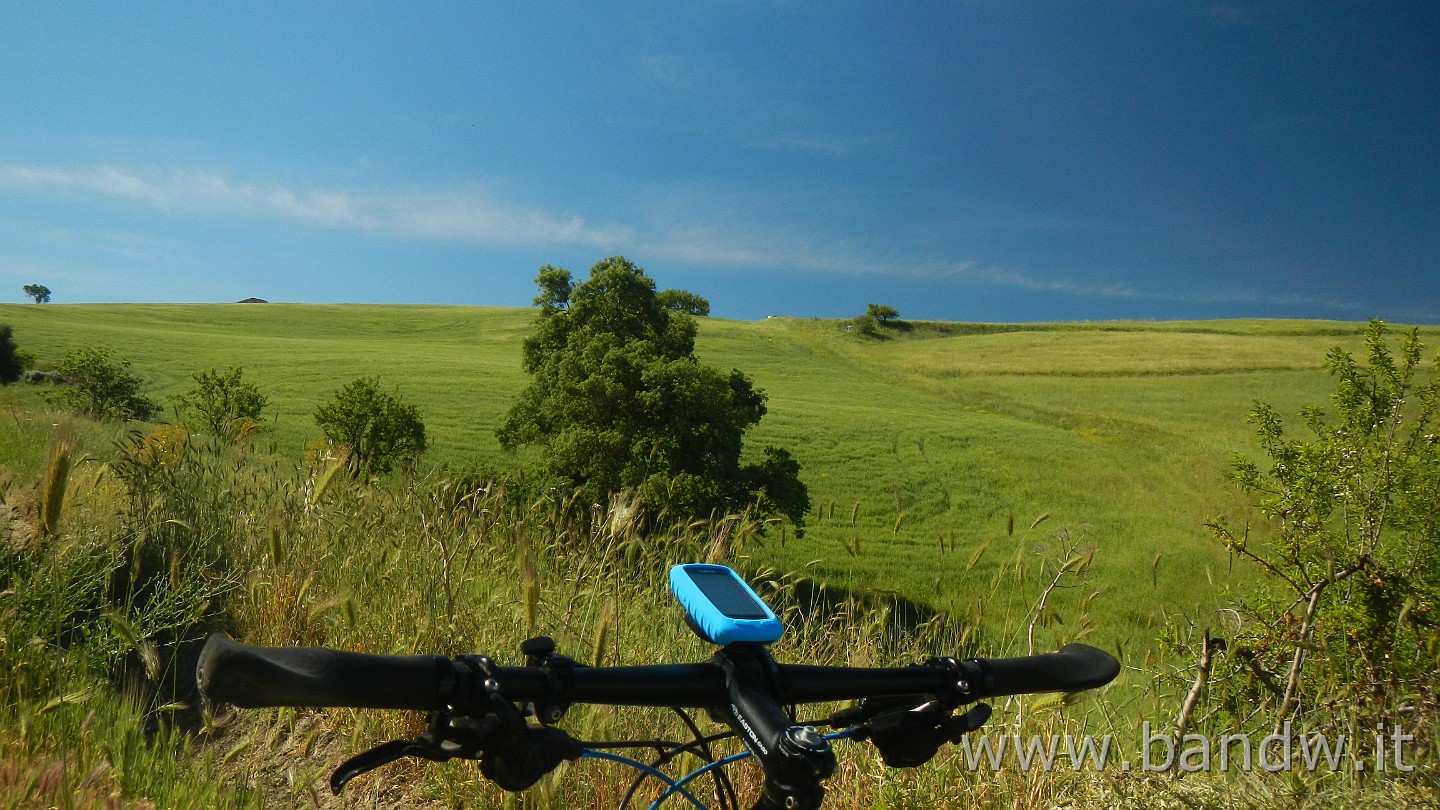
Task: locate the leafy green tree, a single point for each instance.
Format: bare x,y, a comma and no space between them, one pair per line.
101,385
876,318
223,403
618,401
10,361
1347,620
379,427
39,292
882,313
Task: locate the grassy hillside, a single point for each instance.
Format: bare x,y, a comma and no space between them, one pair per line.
921,450
932,456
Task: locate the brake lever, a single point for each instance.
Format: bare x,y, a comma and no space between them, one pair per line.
908,730
448,738
512,754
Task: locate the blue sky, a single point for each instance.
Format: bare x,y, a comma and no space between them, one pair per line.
972,160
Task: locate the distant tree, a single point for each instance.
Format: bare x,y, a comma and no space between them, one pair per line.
876,318
102,386
10,362
882,313
682,301
617,401
379,427
39,292
223,403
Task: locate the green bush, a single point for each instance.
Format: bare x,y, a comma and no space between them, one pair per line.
379,427
223,403
102,386
1345,627
10,361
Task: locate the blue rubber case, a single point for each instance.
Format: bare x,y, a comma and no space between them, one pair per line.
721,607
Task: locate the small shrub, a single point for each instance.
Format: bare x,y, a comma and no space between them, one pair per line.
1343,630
223,404
102,386
380,428
867,325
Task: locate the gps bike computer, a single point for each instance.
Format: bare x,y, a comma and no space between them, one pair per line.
720,607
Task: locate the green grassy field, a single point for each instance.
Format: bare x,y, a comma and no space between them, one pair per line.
948,463
920,450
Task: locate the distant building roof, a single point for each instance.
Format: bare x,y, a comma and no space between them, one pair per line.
253,301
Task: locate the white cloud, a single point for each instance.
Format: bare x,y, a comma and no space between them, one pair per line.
673,232
459,215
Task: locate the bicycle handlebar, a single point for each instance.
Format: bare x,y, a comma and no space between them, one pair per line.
475,705
254,677
1074,668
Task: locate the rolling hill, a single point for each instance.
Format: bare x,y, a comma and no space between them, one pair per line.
932,455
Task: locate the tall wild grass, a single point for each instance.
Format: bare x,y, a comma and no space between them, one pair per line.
121,551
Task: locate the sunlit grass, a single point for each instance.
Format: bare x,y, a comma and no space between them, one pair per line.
930,440
449,563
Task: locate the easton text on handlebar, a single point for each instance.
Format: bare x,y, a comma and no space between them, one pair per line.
478,708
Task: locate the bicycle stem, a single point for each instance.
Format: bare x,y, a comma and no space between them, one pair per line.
796,759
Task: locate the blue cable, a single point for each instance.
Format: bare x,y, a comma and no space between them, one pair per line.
674,787
679,785
704,769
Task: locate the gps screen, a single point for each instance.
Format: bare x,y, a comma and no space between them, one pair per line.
724,591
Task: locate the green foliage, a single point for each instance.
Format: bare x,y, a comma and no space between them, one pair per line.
682,301
882,313
866,325
618,401
39,292
380,428
102,385
459,564
877,318
1133,423
555,285
223,403
10,361
1346,623
100,613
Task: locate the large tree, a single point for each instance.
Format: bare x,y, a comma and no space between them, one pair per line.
618,401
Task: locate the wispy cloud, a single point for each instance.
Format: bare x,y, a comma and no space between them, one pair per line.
458,215
462,216
1127,291
747,246
676,234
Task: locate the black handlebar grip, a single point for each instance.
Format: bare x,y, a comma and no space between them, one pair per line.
1074,668
252,677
